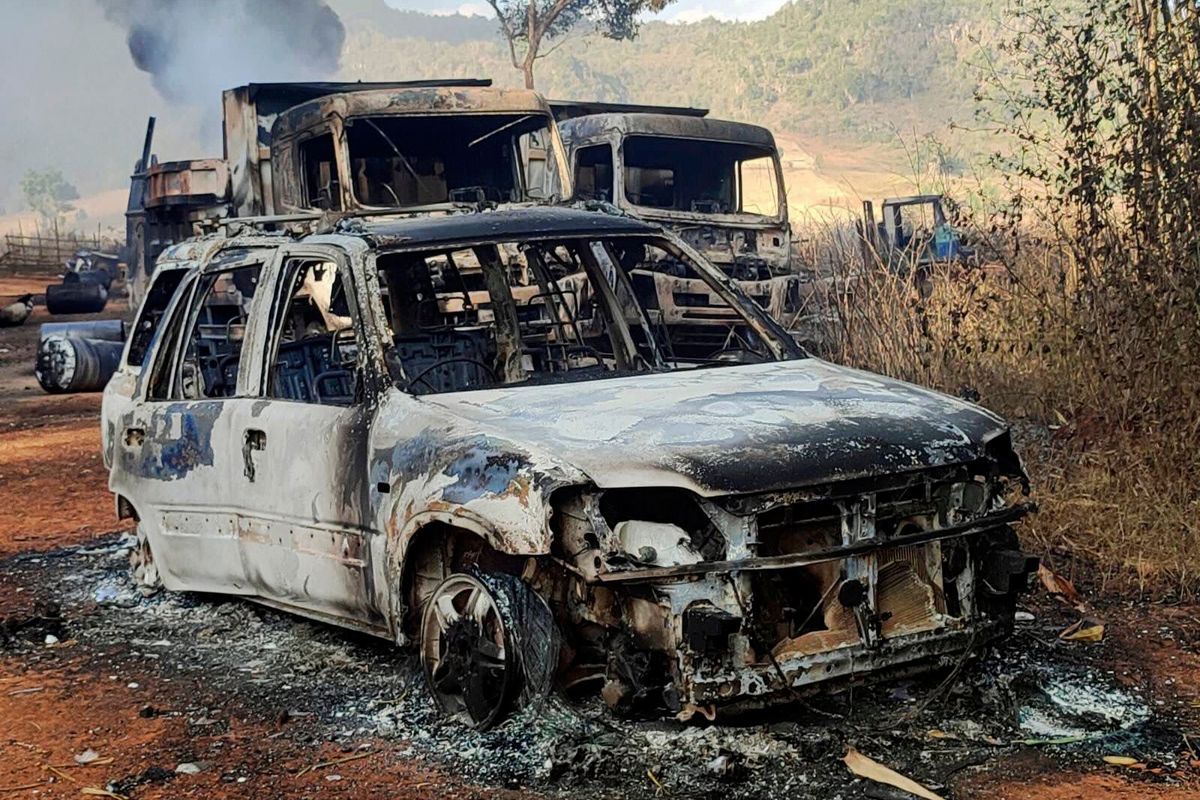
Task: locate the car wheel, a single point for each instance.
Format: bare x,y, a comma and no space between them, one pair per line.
143,567
488,645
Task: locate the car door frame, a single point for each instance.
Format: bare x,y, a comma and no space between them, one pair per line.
170,459
310,545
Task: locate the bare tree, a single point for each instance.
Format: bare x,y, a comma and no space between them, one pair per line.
527,24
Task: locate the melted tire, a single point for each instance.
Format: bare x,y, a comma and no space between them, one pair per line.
466,642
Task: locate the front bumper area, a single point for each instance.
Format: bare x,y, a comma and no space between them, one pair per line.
764,683
760,630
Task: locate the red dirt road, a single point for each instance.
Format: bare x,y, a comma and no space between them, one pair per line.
53,715
55,487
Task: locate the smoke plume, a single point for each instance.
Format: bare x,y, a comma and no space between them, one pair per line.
192,49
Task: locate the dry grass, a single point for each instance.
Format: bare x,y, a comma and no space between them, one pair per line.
1123,508
1099,377
1082,323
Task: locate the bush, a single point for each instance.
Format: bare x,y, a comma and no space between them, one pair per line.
1084,319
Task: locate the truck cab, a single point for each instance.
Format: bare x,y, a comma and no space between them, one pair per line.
913,234
299,151
420,149
717,184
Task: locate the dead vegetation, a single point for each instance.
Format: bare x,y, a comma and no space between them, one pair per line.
1080,311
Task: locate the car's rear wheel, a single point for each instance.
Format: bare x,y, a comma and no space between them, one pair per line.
488,645
143,567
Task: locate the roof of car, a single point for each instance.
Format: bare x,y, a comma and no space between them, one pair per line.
508,224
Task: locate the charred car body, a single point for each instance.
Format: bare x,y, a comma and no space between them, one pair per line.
380,427
717,184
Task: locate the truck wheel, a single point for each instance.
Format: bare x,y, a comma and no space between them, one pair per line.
488,645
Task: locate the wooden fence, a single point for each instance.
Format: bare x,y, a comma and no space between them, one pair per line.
44,250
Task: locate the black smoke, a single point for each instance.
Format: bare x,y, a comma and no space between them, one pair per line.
192,49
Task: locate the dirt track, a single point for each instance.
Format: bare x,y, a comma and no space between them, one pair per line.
257,699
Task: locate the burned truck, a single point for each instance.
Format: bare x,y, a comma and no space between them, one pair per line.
297,151
532,490
717,184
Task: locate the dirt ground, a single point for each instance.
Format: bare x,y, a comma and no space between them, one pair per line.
186,696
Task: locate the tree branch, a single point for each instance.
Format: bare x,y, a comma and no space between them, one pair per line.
510,35
536,32
566,38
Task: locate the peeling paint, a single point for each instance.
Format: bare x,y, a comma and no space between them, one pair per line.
179,441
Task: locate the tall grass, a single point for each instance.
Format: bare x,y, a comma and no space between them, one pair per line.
1080,317
1100,382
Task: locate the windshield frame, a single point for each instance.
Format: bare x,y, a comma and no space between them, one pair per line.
660,213
554,151
781,345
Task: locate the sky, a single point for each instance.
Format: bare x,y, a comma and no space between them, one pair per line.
679,11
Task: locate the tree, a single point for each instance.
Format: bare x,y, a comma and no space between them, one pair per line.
48,193
528,24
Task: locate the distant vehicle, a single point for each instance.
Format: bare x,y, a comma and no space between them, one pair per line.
92,266
912,234
378,427
717,184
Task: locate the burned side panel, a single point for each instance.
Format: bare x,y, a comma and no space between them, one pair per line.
433,468
171,464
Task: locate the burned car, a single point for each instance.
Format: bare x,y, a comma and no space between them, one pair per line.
385,427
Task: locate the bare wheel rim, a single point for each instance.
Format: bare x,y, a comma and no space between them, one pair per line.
467,652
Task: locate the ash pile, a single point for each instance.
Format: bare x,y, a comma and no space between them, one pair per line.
340,687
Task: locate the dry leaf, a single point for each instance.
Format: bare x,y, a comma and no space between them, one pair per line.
865,767
1059,586
1084,630
936,734
95,792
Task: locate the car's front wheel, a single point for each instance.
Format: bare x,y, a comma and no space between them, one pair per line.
488,645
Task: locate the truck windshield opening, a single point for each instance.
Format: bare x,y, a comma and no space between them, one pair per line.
700,176
424,160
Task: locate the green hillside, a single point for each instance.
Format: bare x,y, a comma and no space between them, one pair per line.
853,68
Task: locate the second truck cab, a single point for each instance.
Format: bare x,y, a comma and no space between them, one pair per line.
717,184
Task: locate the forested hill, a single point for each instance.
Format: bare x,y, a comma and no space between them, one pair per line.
854,68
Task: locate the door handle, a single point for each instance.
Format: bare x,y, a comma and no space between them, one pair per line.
254,439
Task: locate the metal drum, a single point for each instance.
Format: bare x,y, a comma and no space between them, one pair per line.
76,298
68,363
